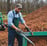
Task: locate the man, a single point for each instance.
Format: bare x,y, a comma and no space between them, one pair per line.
14,17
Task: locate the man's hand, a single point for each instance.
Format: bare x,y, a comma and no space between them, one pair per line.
28,29
19,30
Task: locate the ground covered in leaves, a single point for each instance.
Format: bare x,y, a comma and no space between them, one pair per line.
37,21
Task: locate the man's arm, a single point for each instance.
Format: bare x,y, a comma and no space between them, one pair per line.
10,19
27,28
25,24
22,20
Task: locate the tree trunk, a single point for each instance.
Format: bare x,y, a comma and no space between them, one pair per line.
8,6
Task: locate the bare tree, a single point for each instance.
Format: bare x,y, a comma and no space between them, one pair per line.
0,5
24,6
28,5
35,3
8,5
18,1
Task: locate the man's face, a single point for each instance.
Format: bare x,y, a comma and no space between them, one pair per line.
17,10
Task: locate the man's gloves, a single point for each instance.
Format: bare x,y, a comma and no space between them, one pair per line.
0,26
28,29
19,30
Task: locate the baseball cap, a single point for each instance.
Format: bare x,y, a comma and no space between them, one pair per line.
19,5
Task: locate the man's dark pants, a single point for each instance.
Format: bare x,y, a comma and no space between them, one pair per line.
11,37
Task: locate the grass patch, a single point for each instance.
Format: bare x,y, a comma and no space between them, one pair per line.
4,17
24,15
